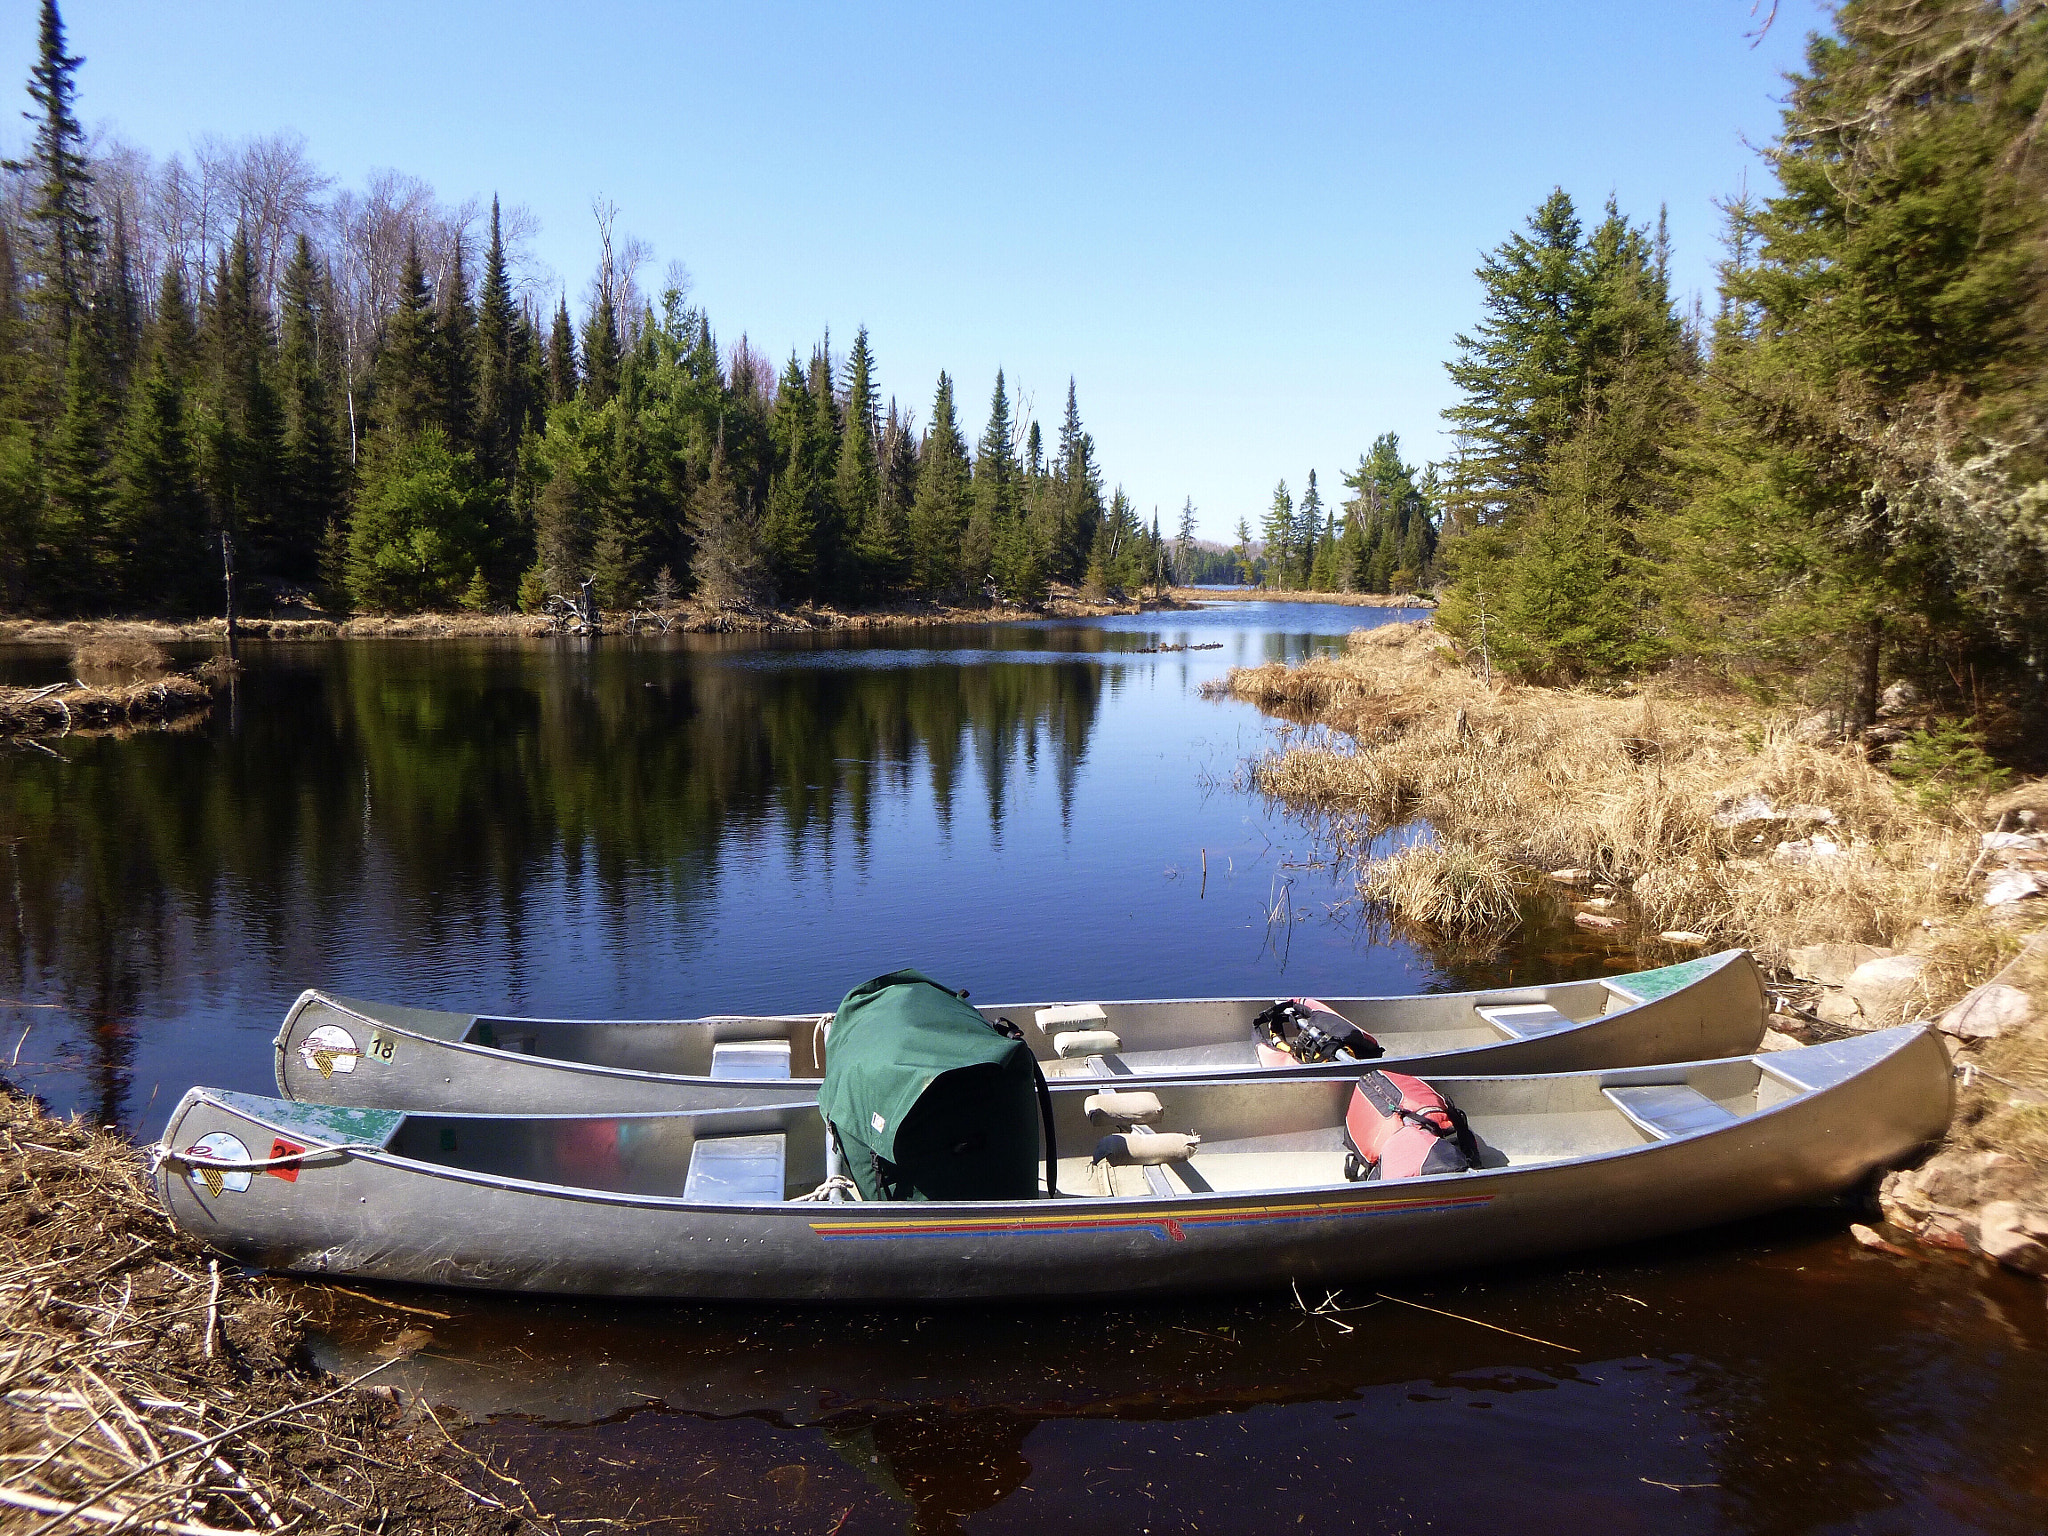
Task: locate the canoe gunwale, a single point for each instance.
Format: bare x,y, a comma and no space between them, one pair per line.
1480,1179
1647,1003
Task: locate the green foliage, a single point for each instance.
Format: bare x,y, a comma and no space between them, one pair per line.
533,590
1946,762
476,597
420,526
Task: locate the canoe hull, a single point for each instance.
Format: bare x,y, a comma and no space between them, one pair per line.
376,1217
420,1059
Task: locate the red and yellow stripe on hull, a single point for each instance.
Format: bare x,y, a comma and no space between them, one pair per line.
1164,1227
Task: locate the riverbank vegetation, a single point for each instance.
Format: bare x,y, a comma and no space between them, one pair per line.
150,1388
1831,480
365,396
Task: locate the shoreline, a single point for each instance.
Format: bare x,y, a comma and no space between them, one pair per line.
1679,819
90,1268
683,618
1288,595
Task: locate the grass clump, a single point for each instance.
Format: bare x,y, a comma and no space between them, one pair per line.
1652,794
1451,888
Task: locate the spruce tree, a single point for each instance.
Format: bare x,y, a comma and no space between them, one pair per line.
789,533
601,351
858,479
1079,493
455,354
1278,530
500,402
410,376
159,512
563,376
64,230
1307,535
939,512
316,468
995,491
82,573
727,565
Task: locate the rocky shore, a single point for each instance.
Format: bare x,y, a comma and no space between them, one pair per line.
1675,821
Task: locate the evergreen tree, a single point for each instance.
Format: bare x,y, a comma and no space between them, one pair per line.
411,376
995,493
63,228
81,572
244,457
1520,370
1307,536
315,470
1279,536
455,354
789,531
601,351
728,566
939,512
419,531
501,406
1184,543
858,477
563,378
159,513
1079,493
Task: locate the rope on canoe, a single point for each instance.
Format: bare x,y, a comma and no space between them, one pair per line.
160,1154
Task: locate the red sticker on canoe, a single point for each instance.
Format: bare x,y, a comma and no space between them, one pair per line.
279,1147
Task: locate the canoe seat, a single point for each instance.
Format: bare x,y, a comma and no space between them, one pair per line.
736,1170
1669,1109
750,1059
1525,1021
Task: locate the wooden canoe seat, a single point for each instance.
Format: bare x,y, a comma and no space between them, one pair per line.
752,1059
1525,1021
736,1170
1669,1109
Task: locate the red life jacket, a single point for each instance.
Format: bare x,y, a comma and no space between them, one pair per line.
1397,1127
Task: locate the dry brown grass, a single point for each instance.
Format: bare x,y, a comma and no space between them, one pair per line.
66,707
119,658
1627,787
1447,887
143,1388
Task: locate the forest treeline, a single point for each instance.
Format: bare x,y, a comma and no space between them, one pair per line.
1842,470
361,394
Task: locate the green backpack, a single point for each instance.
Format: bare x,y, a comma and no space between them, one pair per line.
929,1100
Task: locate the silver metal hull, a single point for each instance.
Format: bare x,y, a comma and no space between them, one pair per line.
1568,1172
390,1057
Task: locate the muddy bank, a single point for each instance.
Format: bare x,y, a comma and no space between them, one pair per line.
1281,595
683,618
144,1386
1683,819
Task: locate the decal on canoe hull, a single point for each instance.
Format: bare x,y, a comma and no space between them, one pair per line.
1167,1229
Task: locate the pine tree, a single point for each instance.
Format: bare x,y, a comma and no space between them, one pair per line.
1184,543
1079,493
1308,532
939,512
418,535
601,351
244,461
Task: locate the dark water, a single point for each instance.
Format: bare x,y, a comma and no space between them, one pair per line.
678,826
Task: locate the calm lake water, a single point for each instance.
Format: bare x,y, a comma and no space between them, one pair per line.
694,824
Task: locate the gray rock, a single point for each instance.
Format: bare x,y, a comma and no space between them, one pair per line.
1597,923
1740,810
1818,729
1885,988
1988,1012
1808,850
1898,698
1830,964
2010,885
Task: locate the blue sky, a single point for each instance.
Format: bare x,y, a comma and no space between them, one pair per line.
1248,234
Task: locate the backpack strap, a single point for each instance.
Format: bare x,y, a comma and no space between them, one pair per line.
1052,1152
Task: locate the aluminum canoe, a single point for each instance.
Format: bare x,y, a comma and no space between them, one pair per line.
338,1050
702,1203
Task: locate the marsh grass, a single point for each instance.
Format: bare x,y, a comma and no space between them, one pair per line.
1629,787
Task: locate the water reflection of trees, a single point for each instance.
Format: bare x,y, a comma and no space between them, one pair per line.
440,786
